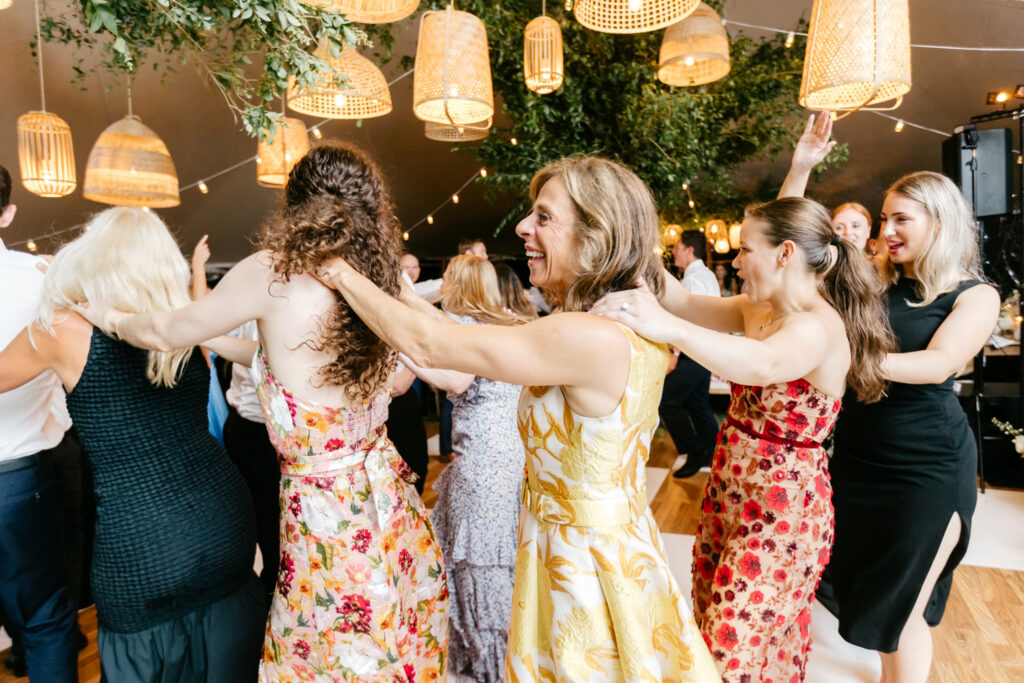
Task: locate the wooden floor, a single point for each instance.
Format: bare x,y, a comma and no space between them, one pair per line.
981,637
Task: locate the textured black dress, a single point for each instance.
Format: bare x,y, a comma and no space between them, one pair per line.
902,468
175,532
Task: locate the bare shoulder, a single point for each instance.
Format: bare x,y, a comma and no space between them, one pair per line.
68,336
981,296
587,327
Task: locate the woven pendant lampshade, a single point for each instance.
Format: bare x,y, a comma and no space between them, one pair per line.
735,230
542,55
371,11
45,154
696,50
631,16
367,96
130,166
4,4
445,132
858,54
716,230
452,81
276,156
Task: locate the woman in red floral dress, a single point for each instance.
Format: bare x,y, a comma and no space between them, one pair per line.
812,319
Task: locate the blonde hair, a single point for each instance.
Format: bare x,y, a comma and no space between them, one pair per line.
128,260
616,229
950,252
471,289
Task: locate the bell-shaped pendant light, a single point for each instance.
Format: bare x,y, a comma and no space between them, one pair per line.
46,156
715,230
858,54
446,132
282,149
695,51
371,11
631,16
366,96
542,54
130,166
452,81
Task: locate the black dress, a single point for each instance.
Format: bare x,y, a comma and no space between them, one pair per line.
176,597
902,468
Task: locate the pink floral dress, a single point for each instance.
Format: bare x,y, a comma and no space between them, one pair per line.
361,591
765,532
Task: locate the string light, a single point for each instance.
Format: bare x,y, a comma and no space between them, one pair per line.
405,236
686,186
455,199
514,142
790,37
899,126
483,172
430,220
31,246
202,187
691,204
317,134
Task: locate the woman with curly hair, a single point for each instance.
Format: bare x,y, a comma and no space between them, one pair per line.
361,588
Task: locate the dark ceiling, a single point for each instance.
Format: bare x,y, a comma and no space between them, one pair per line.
948,88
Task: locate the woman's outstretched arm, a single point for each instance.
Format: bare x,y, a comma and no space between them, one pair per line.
811,149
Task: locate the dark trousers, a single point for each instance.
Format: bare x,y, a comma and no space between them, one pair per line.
686,407
33,577
445,436
406,431
249,447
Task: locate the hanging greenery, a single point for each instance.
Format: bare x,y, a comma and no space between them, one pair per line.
220,38
612,104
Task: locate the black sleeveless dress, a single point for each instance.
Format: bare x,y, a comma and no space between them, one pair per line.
902,468
175,533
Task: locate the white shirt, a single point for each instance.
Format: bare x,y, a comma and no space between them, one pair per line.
698,279
426,289
34,416
241,395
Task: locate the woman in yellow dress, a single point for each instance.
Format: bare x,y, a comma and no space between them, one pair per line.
594,598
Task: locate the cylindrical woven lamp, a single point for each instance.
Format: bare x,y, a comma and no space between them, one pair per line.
130,166
695,50
445,132
371,11
716,230
722,245
858,54
631,16
735,230
452,81
542,55
275,157
367,95
45,154
4,4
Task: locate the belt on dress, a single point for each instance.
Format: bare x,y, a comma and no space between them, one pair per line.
21,463
579,512
750,431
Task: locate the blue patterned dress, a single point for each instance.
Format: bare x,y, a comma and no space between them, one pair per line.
475,520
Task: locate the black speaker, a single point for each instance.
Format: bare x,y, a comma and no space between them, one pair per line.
993,176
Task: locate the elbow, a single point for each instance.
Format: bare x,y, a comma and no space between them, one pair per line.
160,338
421,353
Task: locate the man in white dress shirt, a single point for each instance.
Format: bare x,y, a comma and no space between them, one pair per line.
685,401
33,418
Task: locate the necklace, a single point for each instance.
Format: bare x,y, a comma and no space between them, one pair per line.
771,320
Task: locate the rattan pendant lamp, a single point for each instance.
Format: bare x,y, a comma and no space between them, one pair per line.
281,150
4,4
372,11
46,156
452,81
631,16
367,95
543,58
445,132
695,51
858,54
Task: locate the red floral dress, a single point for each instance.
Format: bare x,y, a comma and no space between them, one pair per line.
765,533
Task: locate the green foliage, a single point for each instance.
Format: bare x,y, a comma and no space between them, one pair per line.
612,104
221,38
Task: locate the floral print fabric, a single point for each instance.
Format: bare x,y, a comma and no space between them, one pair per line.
594,599
361,592
765,532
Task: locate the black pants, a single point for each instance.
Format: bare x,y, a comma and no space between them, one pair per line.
249,447
406,431
686,407
445,436
33,571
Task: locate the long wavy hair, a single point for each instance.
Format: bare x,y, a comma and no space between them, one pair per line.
336,203
616,229
513,296
846,280
128,260
471,289
950,253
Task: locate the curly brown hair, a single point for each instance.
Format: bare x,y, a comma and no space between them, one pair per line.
336,203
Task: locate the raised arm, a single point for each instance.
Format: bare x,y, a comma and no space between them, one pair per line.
954,344
811,149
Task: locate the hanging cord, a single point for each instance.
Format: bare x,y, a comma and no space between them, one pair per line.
128,85
444,62
39,55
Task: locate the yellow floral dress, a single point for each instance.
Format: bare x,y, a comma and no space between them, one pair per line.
594,598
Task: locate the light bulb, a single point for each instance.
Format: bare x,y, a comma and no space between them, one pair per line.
899,126
340,100
635,5
430,220
691,203
455,199
790,37
688,61
203,188
405,236
31,246
686,186
317,134
514,141
483,172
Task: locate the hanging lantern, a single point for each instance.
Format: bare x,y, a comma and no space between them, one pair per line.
716,230
670,234
695,51
722,245
631,16
130,166
858,54
4,4
735,230
45,155
371,11
444,132
542,55
452,81
276,156
367,95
